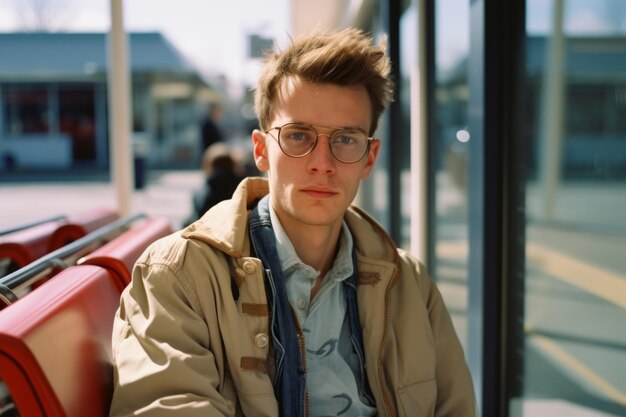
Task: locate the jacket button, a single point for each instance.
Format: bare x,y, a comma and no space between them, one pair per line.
261,340
249,267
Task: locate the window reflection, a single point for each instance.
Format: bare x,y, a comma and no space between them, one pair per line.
574,131
575,273
449,179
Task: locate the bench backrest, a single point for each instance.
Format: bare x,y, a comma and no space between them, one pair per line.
24,246
80,225
120,254
55,345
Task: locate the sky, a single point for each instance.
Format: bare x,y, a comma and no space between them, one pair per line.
212,34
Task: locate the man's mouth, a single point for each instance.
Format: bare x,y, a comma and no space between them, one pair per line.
319,192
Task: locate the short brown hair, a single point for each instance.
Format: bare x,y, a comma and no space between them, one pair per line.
345,58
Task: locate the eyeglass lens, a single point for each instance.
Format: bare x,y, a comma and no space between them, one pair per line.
347,145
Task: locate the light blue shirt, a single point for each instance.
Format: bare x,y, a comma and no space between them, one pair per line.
332,365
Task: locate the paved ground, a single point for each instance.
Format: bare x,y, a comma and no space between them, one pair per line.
573,321
167,194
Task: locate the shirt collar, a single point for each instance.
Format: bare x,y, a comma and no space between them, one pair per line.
342,266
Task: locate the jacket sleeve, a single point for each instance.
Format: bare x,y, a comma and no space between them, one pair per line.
162,362
455,392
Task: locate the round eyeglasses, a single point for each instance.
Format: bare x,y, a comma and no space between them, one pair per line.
347,145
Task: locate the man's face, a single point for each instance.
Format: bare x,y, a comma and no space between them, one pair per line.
315,189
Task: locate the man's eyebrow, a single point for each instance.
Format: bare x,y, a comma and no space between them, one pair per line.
353,128
350,128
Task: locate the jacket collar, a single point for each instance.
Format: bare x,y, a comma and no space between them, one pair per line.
224,225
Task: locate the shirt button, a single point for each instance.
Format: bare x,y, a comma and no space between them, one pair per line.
261,340
249,267
301,304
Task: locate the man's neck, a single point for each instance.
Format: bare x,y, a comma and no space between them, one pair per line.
316,246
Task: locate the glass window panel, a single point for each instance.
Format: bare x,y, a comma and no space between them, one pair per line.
408,54
574,316
77,120
449,148
25,110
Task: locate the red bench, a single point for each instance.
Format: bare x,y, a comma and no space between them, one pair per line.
55,345
80,225
120,254
24,246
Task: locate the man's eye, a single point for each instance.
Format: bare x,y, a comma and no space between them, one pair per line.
344,139
298,136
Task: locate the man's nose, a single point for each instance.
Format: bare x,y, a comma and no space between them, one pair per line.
321,157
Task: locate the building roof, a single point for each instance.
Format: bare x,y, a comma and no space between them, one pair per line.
71,54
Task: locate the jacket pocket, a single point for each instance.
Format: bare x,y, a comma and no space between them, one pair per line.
418,399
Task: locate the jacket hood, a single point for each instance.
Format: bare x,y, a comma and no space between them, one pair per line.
225,225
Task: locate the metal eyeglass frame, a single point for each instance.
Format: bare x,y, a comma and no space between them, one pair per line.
370,139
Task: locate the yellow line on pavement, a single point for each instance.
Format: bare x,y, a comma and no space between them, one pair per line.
599,281
606,284
580,368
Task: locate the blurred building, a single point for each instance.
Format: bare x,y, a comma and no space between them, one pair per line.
594,97
53,101
594,129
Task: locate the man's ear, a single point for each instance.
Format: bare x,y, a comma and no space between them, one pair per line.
370,158
260,150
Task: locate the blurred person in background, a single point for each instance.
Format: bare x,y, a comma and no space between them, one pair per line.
222,174
286,300
210,131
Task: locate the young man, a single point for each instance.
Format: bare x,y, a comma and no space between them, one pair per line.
286,300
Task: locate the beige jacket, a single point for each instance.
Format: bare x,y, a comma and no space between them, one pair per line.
184,346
